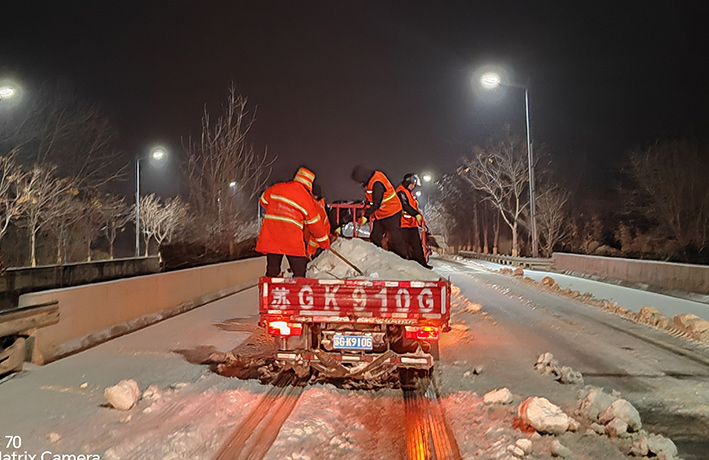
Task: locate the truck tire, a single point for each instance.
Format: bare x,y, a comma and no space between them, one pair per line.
414,379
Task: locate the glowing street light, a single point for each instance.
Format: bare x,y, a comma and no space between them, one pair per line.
491,80
158,153
6,92
232,184
427,177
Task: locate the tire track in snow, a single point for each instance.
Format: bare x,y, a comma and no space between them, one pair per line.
252,439
428,436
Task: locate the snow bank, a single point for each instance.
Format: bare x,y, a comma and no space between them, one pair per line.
374,262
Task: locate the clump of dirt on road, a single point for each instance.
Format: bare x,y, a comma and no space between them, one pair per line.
547,364
248,360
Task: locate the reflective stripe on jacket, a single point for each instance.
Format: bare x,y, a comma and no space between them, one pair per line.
312,243
290,209
390,204
407,220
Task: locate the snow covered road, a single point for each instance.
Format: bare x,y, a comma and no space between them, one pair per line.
665,377
630,298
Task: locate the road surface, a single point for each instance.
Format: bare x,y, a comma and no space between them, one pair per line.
60,408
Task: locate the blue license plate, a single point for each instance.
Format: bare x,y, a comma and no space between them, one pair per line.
352,342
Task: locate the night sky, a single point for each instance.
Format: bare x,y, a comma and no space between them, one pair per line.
382,83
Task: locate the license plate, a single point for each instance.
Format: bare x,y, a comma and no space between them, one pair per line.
352,342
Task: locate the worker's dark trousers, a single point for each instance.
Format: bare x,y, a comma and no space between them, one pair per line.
412,238
392,227
298,264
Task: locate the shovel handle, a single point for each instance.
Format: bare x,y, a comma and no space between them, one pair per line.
347,261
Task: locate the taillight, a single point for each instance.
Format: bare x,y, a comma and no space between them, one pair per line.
421,332
284,328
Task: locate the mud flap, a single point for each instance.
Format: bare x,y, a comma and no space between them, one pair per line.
370,367
300,368
329,366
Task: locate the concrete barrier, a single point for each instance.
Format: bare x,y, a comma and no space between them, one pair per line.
17,281
97,312
54,276
661,275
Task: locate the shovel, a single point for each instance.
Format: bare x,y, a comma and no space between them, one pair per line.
347,261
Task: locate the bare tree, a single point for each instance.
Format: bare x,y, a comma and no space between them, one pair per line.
224,172
92,220
458,200
115,214
151,212
67,209
671,184
552,215
41,190
11,204
161,222
75,137
501,173
438,220
173,217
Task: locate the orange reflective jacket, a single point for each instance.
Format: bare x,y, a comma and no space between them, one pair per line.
408,221
290,209
313,243
390,202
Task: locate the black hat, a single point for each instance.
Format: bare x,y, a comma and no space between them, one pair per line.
362,174
317,190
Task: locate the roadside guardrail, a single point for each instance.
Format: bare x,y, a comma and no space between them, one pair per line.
524,262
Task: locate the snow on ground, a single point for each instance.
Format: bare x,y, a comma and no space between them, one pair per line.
329,423
374,262
632,299
189,421
198,409
518,321
182,426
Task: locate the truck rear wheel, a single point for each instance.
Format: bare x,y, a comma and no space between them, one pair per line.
414,379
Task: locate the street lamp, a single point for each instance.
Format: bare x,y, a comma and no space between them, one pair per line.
492,80
427,177
6,92
158,154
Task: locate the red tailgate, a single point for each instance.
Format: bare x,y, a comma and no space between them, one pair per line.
364,301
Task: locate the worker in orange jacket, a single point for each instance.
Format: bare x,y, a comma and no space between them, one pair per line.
384,208
411,218
290,209
312,245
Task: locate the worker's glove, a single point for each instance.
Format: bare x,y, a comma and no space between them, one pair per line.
419,218
362,221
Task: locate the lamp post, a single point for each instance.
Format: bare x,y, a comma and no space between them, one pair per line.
492,80
158,154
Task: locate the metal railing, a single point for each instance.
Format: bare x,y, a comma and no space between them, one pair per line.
524,262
